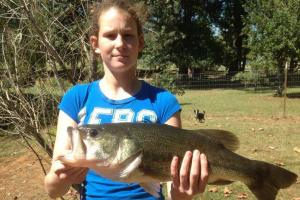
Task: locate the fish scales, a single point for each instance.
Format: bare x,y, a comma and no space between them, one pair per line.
159,149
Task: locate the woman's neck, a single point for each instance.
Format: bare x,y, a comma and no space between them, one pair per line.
120,86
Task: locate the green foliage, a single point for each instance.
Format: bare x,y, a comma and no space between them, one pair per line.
21,54
178,32
190,35
167,79
274,29
67,25
251,78
227,18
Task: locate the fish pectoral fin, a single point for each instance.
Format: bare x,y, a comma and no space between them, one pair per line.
131,164
152,188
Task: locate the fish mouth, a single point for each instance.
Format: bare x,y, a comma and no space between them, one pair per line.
70,160
78,147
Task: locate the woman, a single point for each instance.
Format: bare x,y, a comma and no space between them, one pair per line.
120,97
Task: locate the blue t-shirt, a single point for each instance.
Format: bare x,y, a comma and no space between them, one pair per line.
86,104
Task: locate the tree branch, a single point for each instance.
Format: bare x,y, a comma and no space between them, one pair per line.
49,47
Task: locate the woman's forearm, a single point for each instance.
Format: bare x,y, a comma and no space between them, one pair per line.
54,186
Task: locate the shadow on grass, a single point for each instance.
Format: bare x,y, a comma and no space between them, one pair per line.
248,90
293,95
185,104
258,90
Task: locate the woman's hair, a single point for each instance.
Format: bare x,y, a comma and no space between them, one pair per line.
137,11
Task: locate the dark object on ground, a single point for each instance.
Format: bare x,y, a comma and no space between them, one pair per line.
200,116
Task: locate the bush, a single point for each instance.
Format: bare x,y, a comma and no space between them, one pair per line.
251,78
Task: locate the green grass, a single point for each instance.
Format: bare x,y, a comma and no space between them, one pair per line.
11,146
256,117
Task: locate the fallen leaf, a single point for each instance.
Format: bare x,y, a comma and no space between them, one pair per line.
261,129
276,118
254,150
271,147
297,149
227,191
213,189
242,195
280,164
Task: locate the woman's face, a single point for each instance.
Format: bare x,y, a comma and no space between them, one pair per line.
118,41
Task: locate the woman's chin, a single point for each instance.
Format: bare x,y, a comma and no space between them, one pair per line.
122,67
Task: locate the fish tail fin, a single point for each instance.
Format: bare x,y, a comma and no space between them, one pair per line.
270,178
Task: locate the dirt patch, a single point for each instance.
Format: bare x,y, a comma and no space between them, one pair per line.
21,177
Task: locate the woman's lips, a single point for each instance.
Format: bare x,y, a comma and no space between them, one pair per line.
120,56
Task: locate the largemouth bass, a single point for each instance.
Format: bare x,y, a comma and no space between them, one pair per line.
142,153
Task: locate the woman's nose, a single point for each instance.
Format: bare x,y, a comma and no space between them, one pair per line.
119,41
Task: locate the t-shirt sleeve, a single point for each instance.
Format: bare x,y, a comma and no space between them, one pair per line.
168,106
73,101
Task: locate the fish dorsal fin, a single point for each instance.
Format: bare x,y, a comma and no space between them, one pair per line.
227,138
152,188
131,164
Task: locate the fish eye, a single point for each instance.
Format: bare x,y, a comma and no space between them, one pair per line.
93,132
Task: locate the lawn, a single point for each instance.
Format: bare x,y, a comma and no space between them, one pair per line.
256,117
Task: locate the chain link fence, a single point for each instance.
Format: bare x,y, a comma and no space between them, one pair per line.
239,80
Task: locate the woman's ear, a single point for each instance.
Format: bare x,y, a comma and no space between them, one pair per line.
94,44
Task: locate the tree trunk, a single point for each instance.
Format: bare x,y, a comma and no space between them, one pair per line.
280,78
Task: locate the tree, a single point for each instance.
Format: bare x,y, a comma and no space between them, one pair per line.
180,34
274,34
228,17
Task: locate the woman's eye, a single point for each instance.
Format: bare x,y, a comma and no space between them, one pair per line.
110,36
128,35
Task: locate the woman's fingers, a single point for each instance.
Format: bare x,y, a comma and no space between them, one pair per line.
174,172
68,173
185,171
204,173
192,176
78,175
195,173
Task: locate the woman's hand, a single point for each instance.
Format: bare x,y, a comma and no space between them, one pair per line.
68,174
192,177
61,177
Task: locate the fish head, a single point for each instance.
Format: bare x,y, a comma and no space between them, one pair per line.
100,143
90,145
106,142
